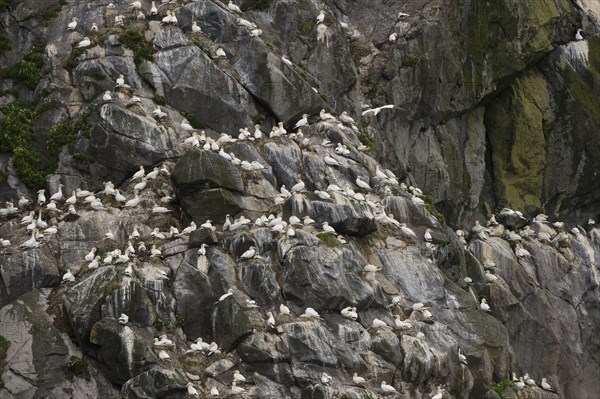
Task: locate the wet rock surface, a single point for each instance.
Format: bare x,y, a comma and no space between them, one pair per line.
296,257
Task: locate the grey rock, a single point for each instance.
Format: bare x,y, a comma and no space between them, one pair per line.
222,105
155,383
230,324
418,360
82,303
124,140
124,350
274,83
24,271
219,367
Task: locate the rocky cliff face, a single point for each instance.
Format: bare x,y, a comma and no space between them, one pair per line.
494,105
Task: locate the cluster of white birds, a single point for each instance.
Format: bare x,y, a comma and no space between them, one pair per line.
539,230
526,381
366,189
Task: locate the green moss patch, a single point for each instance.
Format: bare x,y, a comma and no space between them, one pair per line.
79,367
28,71
135,41
328,239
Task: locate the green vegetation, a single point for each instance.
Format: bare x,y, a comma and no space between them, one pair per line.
159,100
28,71
430,205
306,28
303,74
410,60
46,91
4,345
324,97
83,156
79,367
159,324
48,16
502,386
135,41
110,287
258,119
66,134
15,128
328,239
25,161
180,321
303,4
97,75
263,5
249,369
16,138
195,122
2,176
269,45
4,43
4,5
367,140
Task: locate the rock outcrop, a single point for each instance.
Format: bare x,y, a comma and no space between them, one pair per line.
286,256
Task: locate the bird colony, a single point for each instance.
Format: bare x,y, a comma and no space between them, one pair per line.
274,261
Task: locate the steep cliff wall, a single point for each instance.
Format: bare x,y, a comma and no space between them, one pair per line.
495,104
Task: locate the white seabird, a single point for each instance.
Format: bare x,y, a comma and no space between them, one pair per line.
123,319
68,276
84,43
238,377
195,27
299,186
191,390
310,312
358,380
377,323
545,386
226,295
327,228
302,122
392,37
321,17
233,7
220,53
249,254
235,390
578,35
73,24
325,378
326,116
377,110
286,60
387,388
41,197
284,309
484,305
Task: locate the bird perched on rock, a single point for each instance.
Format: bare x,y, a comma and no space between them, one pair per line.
191,390
233,7
358,380
123,319
484,305
321,17
387,388
195,27
86,42
220,53
73,24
